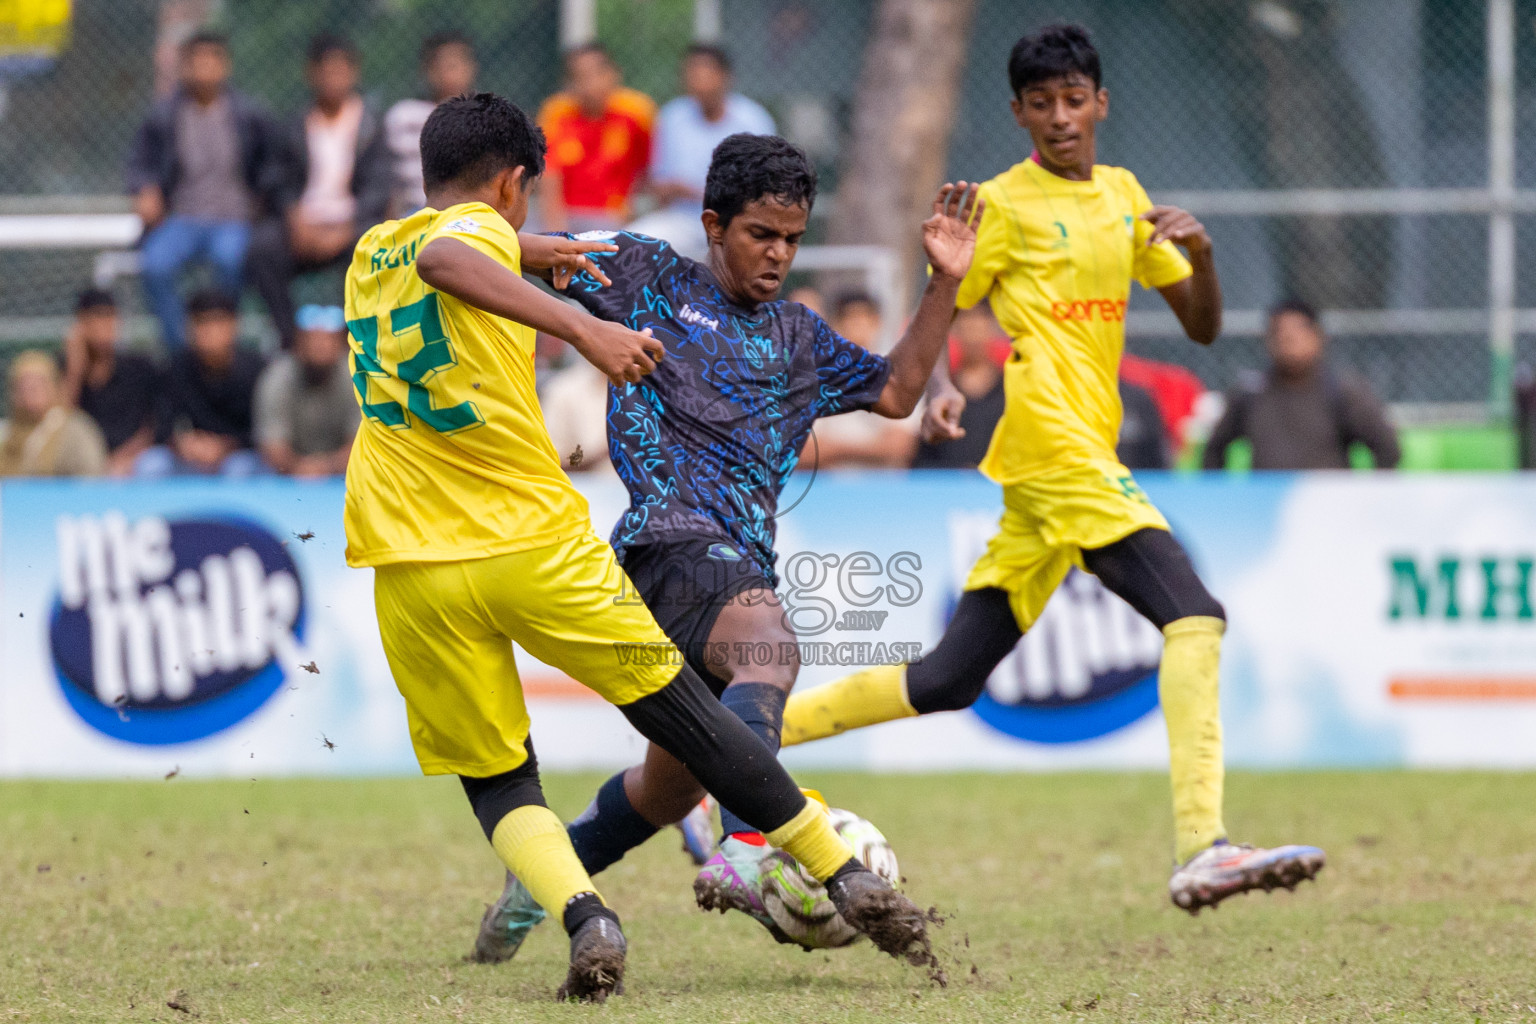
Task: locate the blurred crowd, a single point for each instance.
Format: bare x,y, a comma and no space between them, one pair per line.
233,196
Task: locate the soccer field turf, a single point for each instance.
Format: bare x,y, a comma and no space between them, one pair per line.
356,901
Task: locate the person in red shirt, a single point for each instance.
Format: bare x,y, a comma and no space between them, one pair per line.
599,135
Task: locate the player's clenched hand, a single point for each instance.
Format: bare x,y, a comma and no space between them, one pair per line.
1169,223
622,354
562,257
949,236
941,420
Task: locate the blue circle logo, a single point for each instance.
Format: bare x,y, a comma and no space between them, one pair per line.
166,631
1087,668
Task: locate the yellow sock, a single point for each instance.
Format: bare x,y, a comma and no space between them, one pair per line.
810,838
1188,684
532,843
869,697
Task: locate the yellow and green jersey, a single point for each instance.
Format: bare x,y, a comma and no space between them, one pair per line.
1056,258
452,461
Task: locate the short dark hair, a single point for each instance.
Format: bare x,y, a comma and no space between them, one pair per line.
1054,51
710,50
441,40
212,300
855,297
746,168
1301,307
327,43
468,139
95,298
205,37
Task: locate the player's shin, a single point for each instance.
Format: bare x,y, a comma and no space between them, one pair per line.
760,706
532,843
609,828
869,697
1188,687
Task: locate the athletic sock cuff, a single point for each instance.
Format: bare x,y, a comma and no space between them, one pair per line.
1195,624
523,824
810,838
581,908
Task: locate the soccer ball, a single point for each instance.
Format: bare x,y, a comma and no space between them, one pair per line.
799,904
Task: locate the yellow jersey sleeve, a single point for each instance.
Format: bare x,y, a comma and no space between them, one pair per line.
1153,266
993,251
483,230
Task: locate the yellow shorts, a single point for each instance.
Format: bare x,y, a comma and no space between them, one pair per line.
448,629
1047,522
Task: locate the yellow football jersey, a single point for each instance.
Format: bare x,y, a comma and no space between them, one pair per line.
1056,258
453,460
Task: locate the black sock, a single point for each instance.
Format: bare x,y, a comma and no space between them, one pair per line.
761,707
581,908
609,828
854,864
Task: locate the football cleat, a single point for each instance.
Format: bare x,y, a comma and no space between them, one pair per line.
699,832
597,962
893,923
732,880
506,923
1225,869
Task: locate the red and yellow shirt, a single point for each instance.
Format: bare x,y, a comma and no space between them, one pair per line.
600,159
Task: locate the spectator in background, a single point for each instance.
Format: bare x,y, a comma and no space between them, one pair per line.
687,131
43,436
977,372
575,404
599,136
1301,414
448,68
1143,442
306,409
1181,398
810,298
203,423
197,173
332,182
115,389
860,438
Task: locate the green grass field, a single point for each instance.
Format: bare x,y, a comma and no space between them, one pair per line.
357,900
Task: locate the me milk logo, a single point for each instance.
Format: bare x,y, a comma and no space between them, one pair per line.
1087,667
166,631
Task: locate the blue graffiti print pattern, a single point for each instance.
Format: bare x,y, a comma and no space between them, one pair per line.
706,443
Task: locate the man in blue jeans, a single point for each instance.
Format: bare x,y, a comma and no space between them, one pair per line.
196,175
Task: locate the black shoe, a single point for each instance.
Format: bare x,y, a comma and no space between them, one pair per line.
597,962
892,922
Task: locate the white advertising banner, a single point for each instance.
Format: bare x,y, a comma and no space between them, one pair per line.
214,628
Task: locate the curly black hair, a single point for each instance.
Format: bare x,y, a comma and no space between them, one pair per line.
468,139
746,167
1054,51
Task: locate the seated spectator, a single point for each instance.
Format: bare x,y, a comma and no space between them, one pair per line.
809,297
115,389
1301,414
43,436
448,68
197,172
203,423
1182,401
1143,441
860,438
575,404
978,374
599,136
687,131
306,409
332,182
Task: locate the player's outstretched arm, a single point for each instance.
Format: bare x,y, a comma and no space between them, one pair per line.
471,276
949,239
555,258
1196,300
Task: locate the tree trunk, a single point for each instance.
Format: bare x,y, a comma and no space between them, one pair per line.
902,115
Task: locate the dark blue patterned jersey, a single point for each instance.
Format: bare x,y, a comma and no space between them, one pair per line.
706,443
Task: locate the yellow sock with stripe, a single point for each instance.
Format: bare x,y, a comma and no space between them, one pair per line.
869,697
810,838
533,844
1188,686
